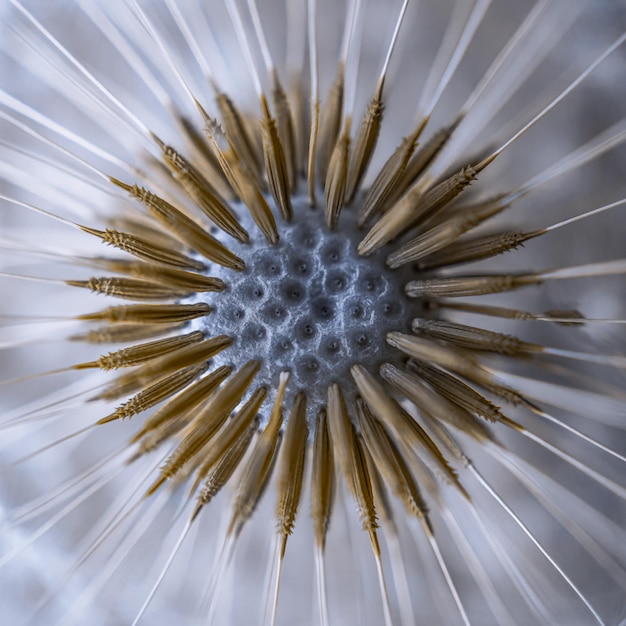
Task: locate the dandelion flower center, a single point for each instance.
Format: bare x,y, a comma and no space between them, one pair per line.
310,304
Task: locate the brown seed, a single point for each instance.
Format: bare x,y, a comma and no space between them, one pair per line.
150,313
143,248
184,227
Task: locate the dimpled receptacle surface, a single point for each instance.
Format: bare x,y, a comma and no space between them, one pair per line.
310,305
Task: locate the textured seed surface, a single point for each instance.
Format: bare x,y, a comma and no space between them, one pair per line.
310,305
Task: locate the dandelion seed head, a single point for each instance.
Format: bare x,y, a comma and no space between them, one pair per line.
314,353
